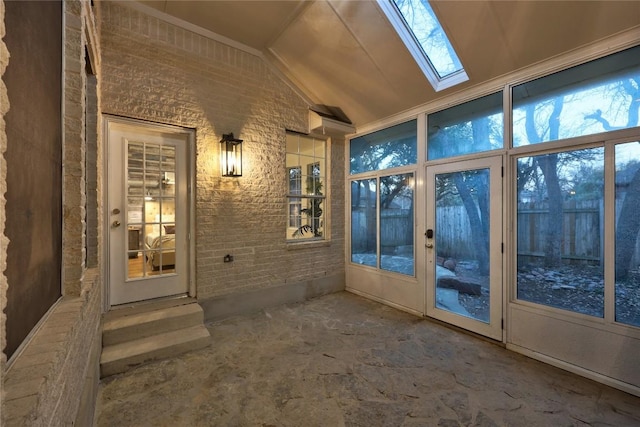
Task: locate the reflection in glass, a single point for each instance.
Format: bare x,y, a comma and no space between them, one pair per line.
472,127
151,181
627,290
423,23
364,222
462,243
306,167
587,99
396,224
386,148
559,229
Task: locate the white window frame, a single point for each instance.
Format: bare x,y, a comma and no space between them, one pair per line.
408,38
305,200
295,216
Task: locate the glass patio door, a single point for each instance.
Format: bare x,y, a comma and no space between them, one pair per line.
463,243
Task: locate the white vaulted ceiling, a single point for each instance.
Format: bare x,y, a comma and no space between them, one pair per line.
345,54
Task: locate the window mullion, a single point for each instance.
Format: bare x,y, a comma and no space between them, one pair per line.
378,222
609,234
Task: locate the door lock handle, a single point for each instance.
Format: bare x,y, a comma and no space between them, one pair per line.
429,245
116,224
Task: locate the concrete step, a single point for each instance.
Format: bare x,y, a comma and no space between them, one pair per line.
124,356
122,325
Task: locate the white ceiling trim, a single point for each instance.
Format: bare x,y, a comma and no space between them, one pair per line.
268,57
293,17
273,61
148,10
362,46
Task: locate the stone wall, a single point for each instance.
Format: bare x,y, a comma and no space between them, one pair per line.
156,71
53,378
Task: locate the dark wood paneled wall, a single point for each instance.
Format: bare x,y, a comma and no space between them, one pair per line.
34,164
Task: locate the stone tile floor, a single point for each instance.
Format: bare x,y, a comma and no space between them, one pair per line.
341,360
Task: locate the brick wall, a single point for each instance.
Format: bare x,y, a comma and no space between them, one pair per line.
159,72
73,208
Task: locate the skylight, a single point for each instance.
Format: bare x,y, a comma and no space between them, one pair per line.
419,29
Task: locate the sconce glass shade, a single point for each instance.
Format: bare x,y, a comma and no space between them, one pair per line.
230,155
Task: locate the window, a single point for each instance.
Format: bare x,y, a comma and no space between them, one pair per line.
472,127
418,27
394,218
563,228
295,203
396,223
387,148
364,214
560,230
587,99
307,178
382,208
627,253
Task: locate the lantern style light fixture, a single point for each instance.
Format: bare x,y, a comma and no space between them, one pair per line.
230,155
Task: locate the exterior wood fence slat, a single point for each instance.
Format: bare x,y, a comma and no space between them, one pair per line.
582,239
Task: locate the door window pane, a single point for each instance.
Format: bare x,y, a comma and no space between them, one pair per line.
627,247
591,98
560,230
462,243
386,148
151,227
396,223
364,215
472,127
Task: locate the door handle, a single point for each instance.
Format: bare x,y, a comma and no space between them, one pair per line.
116,224
429,245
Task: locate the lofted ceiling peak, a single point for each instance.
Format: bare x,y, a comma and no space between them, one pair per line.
346,54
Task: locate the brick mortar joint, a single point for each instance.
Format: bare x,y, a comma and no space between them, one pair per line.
63,356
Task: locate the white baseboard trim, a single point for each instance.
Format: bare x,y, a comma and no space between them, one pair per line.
385,302
603,379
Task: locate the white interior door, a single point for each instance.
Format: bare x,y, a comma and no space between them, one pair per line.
147,218
464,245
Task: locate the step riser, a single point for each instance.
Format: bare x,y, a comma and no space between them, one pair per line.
133,337
132,359
143,330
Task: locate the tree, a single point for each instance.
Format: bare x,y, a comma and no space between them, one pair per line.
548,165
628,225
472,188
542,123
468,188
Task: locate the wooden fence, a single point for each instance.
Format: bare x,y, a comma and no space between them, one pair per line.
582,239
396,229
582,230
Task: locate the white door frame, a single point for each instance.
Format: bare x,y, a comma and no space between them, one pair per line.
494,329
110,121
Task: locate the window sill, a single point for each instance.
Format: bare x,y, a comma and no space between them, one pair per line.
294,246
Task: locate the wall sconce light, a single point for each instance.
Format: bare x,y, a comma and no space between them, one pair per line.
230,155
